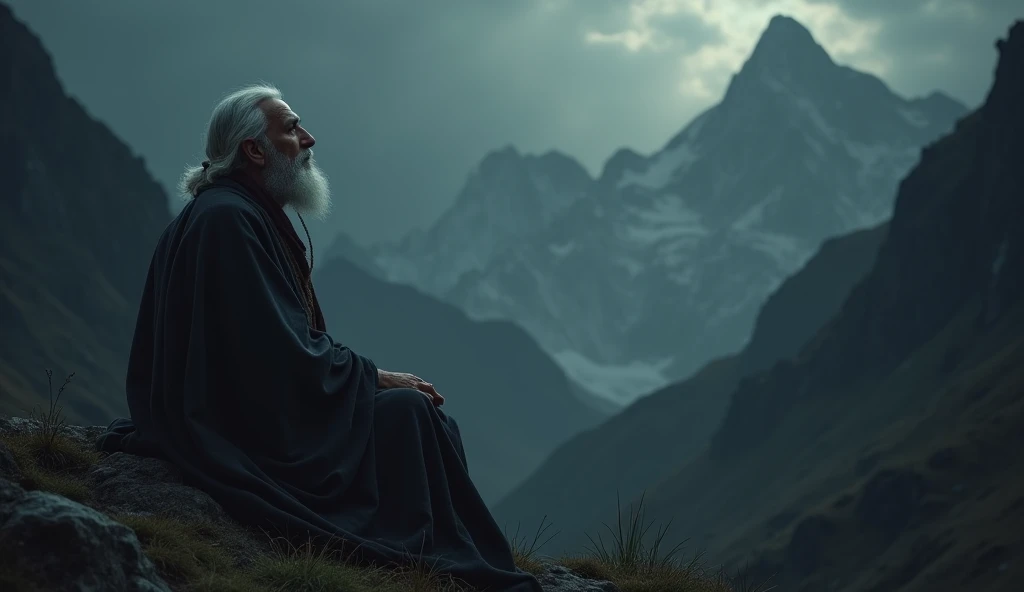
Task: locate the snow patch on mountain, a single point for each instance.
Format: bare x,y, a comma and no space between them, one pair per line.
915,117
667,217
620,384
754,215
641,276
660,172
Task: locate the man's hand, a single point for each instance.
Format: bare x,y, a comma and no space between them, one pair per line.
386,380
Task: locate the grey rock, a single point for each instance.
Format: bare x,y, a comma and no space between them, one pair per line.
558,578
83,435
8,466
129,484
141,485
60,545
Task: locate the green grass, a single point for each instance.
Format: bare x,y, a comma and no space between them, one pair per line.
47,458
56,464
191,556
197,557
525,551
638,560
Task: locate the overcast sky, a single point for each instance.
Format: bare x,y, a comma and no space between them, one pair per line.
404,97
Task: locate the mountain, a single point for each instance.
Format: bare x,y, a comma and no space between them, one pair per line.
660,265
342,246
576,486
79,216
505,198
513,403
883,455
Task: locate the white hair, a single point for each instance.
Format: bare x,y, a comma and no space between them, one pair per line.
237,117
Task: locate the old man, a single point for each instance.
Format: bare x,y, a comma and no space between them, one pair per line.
234,378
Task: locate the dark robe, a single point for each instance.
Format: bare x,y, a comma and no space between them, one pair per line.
282,424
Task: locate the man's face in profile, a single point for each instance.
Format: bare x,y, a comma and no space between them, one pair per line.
290,173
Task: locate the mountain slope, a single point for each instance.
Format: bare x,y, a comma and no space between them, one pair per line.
513,403
806,301
77,227
577,484
879,452
663,265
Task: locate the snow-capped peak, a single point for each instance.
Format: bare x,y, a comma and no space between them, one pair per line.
506,197
663,263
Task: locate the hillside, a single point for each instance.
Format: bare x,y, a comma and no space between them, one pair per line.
641,276
78,217
883,456
513,403
576,485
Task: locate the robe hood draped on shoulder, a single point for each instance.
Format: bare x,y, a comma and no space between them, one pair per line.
282,424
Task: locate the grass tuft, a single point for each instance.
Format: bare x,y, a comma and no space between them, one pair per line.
52,424
524,550
56,465
182,551
636,562
308,568
629,552
48,459
73,487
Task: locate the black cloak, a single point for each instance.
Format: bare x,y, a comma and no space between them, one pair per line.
280,423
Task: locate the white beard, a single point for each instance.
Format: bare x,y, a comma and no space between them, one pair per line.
299,183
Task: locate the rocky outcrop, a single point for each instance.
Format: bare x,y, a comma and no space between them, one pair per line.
51,543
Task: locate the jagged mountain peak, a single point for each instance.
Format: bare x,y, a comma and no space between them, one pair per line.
787,60
787,49
505,154
785,31
507,196
509,158
624,159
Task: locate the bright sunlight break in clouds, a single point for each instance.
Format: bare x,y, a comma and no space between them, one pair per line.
705,71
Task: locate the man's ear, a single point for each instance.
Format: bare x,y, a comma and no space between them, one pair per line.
253,152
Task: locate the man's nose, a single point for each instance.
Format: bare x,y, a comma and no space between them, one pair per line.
307,140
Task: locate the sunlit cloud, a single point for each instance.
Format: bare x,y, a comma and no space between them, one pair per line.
704,70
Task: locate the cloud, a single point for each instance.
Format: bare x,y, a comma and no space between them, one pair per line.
405,97
919,45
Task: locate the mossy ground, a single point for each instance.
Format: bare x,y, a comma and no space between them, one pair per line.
194,556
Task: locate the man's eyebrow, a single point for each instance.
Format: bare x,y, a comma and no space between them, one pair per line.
292,120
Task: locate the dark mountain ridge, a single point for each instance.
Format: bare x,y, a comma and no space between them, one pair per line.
78,218
859,445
